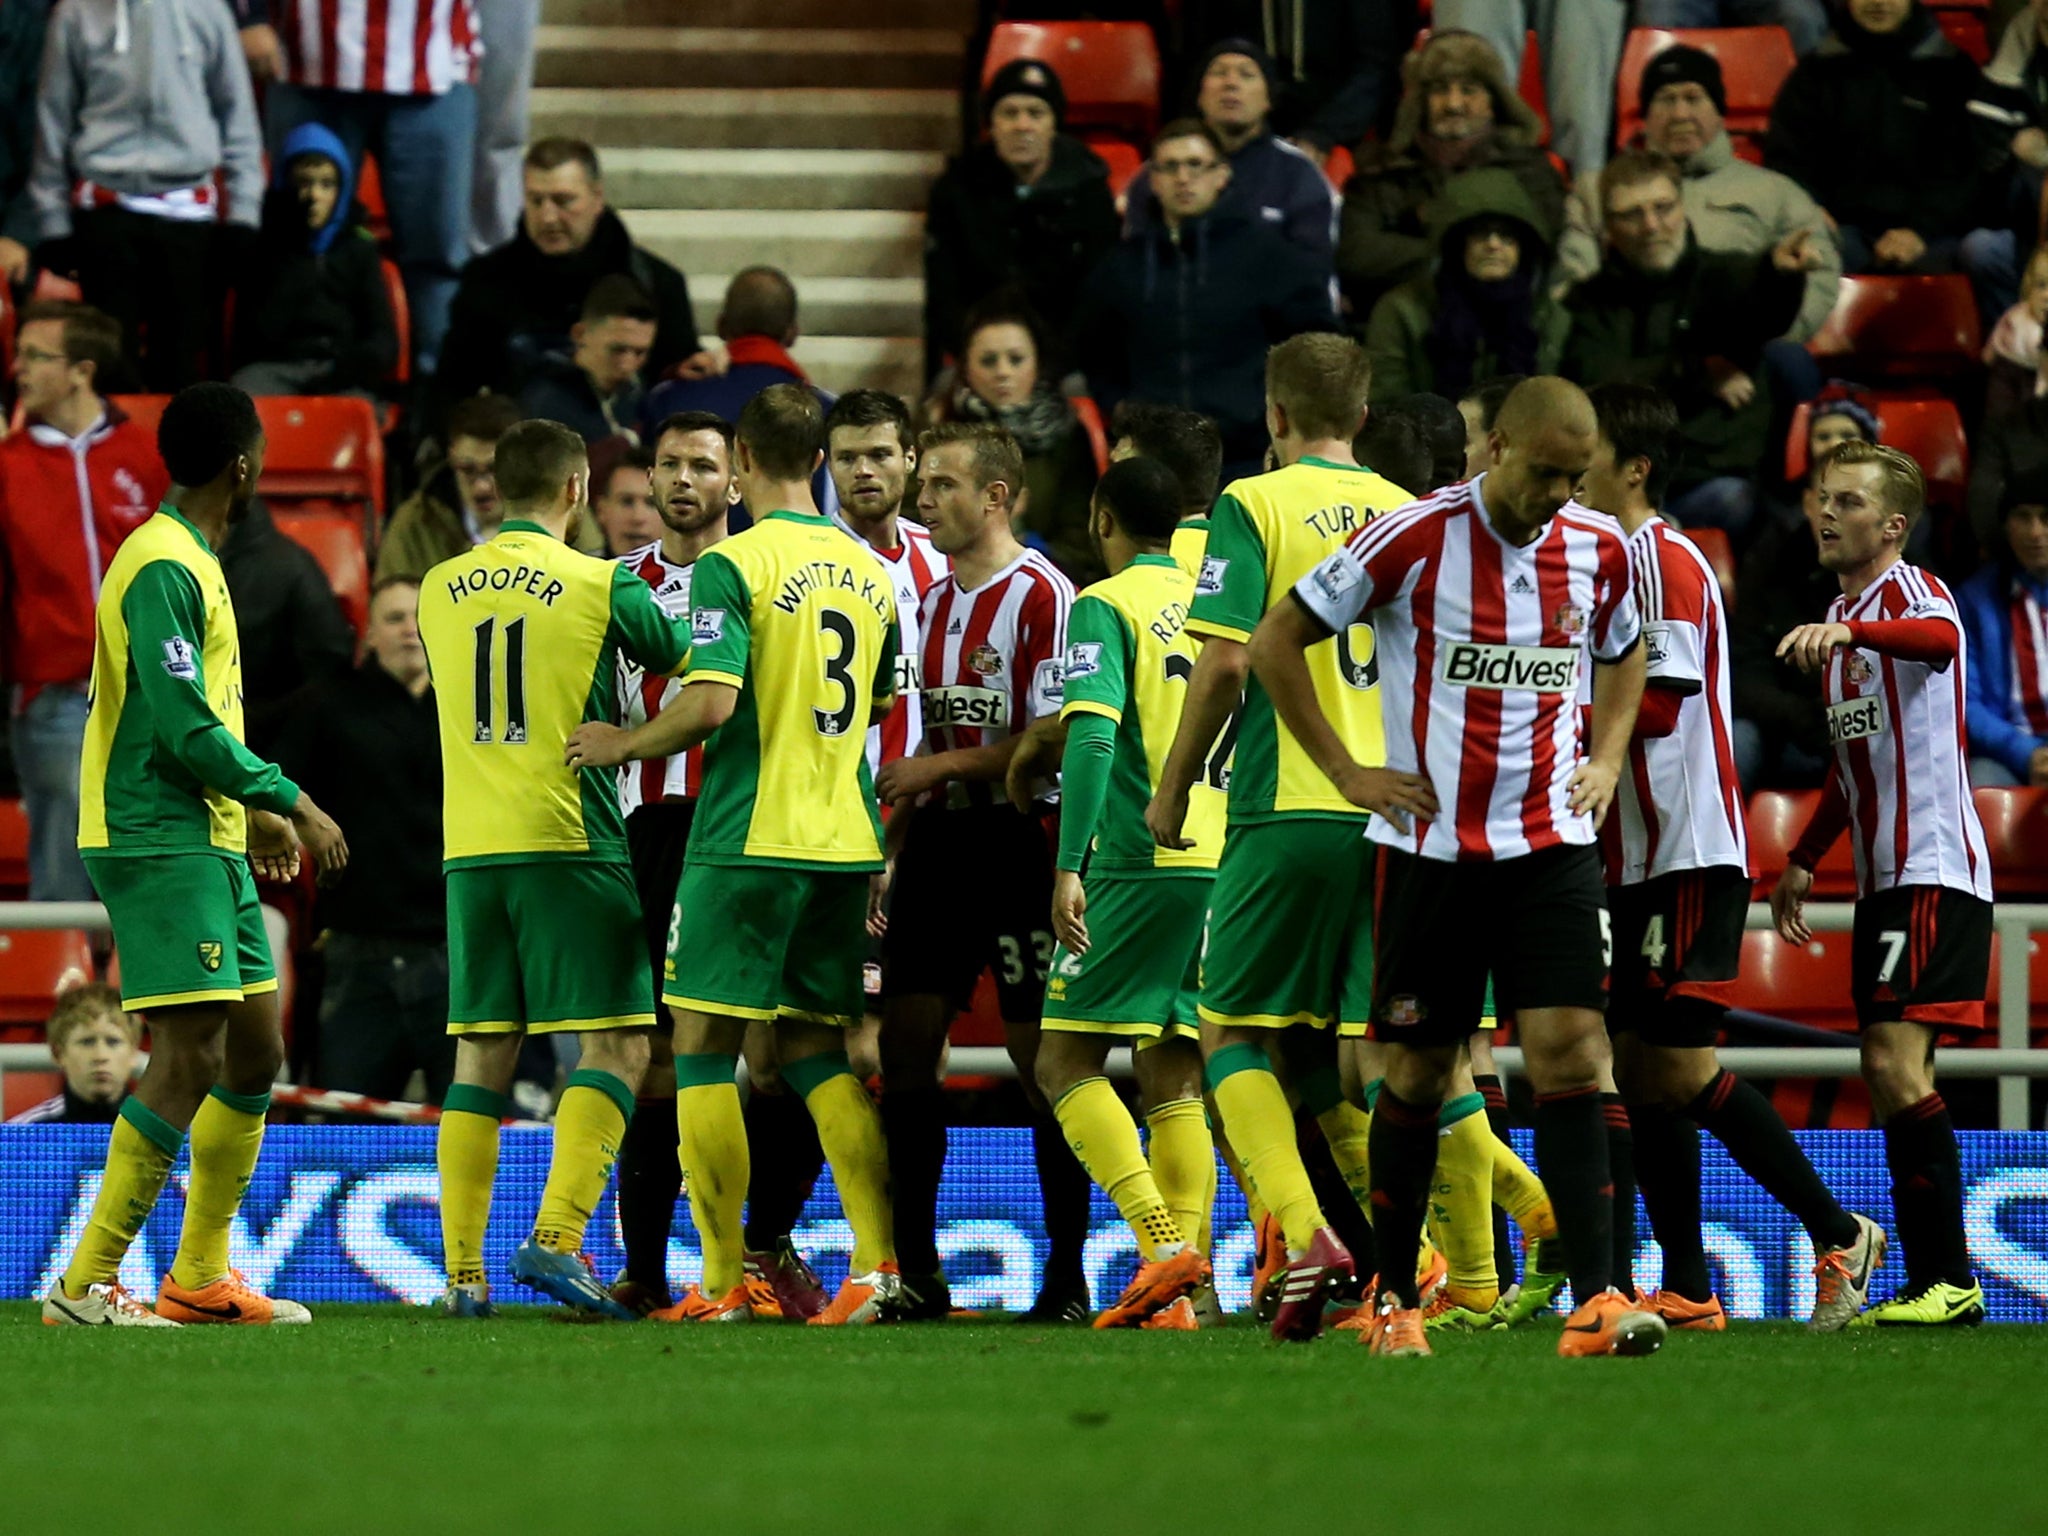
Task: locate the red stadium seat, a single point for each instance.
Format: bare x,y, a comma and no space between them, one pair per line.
1109,69
1713,543
1339,167
1776,818
370,193
2016,831
1089,414
32,962
25,1090
1124,162
322,448
1901,327
1930,430
1967,31
1754,63
13,851
335,539
144,410
1805,983
401,319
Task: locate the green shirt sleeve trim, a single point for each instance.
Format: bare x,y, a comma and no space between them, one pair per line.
166,618
1097,667
1084,785
721,621
885,668
645,633
1230,596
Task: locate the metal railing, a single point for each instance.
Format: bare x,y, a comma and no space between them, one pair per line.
2012,1061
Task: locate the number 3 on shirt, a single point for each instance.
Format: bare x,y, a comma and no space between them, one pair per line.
837,627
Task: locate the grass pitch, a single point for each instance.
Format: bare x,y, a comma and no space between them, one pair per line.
380,1420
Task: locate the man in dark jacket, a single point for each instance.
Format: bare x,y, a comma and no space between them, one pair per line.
596,392
517,304
311,313
1184,313
1336,63
293,635
21,57
1029,208
1876,123
1279,182
1458,113
1781,726
1691,323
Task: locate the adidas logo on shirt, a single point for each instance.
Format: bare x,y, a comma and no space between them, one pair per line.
1521,585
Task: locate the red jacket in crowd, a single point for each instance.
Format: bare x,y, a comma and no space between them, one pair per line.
65,506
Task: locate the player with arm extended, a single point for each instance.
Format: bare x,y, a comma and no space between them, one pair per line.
1894,665
1491,600
1130,935
1289,958
972,884
523,634
793,656
1678,881
694,491
173,810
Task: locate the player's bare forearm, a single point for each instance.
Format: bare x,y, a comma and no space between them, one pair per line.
1214,689
1278,654
970,764
1617,698
698,711
1038,752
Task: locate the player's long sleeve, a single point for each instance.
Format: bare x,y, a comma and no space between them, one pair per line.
1084,782
166,622
1830,820
1931,641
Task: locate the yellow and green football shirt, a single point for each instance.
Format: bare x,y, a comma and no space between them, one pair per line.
1129,657
164,769
523,636
1265,534
1190,543
802,621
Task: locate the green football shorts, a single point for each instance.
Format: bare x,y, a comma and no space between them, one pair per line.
544,947
187,927
758,941
1290,927
1140,977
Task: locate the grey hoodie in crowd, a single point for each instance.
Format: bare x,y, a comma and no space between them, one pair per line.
144,97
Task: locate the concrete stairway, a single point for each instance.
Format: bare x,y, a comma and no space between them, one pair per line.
739,132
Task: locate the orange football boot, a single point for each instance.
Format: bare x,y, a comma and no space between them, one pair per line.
230,1299
1699,1316
1612,1324
1155,1286
734,1306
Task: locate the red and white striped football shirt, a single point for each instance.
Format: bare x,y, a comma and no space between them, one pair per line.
388,47
2029,658
915,567
1485,651
992,661
680,776
1679,803
1900,753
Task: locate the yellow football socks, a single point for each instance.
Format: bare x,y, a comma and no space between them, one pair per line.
850,1131
1183,1158
712,1136
1461,1203
590,1123
1348,1130
1261,1129
139,1159
466,1151
227,1135
1105,1140
1518,1191
1254,1208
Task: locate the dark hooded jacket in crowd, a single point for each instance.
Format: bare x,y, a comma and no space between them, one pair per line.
1186,317
987,231
315,296
517,304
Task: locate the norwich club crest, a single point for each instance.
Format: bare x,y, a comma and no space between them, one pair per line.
210,953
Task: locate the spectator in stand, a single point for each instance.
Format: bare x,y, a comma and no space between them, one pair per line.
2007,450
1440,425
518,303
22,24
294,637
311,313
1397,448
1735,206
1028,208
1693,323
1780,731
74,483
1280,182
1805,21
95,1045
595,392
2012,352
1877,123
403,95
368,738
1580,43
757,325
504,97
1479,405
2005,616
458,507
1485,310
1184,313
1336,67
1186,442
622,501
141,111
1458,113
1004,379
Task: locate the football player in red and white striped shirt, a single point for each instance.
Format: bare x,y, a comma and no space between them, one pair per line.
972,888
1678,881
1893,660
1491,603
